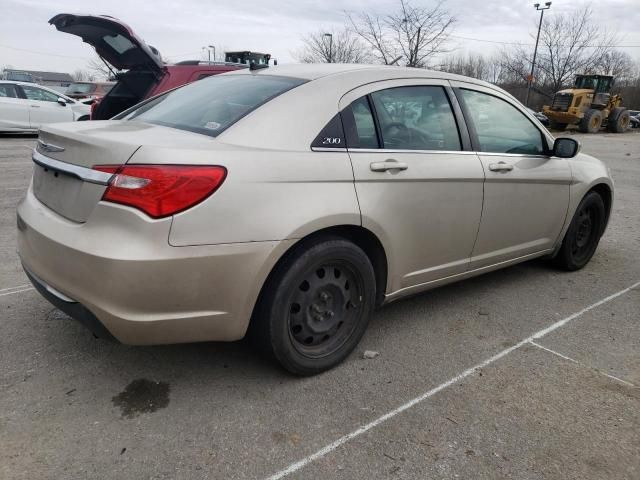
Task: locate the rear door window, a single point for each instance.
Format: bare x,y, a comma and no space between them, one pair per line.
211,105
416,118
8,91
360,125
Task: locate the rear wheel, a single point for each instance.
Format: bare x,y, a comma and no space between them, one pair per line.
582,237
316,306
554,125
591,122
619,120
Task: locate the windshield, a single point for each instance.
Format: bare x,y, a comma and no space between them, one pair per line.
211,105
80,88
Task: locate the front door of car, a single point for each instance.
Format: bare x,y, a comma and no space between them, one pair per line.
44,107
526,192
418,184
14,111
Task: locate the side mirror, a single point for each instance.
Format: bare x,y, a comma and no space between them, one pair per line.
62,101
565,147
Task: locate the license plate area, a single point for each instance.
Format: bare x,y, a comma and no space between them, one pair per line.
65,194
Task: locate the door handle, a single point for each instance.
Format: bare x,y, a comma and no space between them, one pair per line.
35,106
387,165
500,167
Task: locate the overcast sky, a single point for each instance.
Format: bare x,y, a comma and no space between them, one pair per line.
179,28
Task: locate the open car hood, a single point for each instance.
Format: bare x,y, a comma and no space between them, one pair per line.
113,40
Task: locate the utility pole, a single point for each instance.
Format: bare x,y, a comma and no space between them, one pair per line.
330,35
535,50
208,49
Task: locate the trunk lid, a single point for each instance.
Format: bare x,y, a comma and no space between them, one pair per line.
112,39
63,178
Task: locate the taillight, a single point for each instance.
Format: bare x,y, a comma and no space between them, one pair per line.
92,110
161,190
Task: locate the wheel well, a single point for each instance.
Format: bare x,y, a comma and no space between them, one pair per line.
604,191
371,245
360,236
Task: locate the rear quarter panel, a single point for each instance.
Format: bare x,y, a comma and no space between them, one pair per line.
267,195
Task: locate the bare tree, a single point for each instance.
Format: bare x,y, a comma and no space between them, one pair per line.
470,65
414,33
618,64
342,46
84,75
572,43
99,69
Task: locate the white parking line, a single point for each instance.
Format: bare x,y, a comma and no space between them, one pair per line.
612,377
14,288
9,147
11,292
294,467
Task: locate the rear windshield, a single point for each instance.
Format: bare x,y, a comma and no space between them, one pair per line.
80,88
211,105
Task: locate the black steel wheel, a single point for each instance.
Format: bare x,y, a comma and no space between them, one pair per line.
316,305
325,308
582,237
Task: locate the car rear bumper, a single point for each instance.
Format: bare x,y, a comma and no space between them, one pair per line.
128,282
69,306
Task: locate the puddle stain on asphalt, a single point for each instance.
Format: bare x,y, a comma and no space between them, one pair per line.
142,396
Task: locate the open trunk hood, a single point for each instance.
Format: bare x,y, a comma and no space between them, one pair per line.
113,40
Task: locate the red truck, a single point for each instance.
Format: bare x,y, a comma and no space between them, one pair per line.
146,74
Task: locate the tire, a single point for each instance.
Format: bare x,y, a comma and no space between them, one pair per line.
83,118
315,306
591,122
619,120
582,237
553,125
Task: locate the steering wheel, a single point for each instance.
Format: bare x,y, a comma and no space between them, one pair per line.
405,137
397,138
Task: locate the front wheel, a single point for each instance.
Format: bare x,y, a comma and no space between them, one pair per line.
619,120
591,122
316,306
582,237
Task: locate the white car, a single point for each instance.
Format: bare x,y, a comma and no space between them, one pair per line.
26,107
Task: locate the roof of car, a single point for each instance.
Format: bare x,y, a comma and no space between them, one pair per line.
28,84
312,71
91,82
31,84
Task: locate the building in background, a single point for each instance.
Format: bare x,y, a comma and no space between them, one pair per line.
56,80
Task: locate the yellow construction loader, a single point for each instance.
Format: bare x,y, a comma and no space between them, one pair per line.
590,105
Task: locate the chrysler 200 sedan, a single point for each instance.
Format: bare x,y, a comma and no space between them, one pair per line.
289,202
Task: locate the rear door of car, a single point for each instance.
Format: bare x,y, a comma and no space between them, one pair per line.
526,192
14,110
44,107
418,183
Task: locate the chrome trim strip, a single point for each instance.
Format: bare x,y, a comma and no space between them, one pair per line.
386,150
445,152
82,173
494,154
328,149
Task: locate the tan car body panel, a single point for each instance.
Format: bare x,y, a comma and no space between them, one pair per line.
120,266
197,275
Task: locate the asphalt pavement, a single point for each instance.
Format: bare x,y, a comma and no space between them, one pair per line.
523,373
